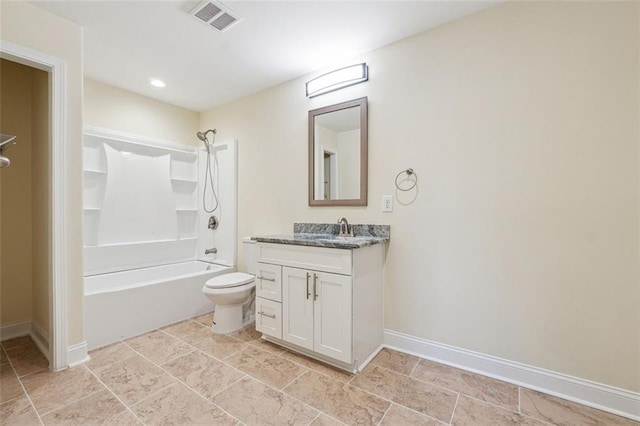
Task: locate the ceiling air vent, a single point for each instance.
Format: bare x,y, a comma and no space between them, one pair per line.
215,15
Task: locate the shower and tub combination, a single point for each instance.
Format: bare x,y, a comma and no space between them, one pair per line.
149,240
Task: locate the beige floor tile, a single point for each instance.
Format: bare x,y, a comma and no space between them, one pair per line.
159,347
10,387
396,361
134,378
52,390
248,333
98,409
216,345
178,405
107,355
205,319
562,412
266,367
125,418
18,342
257,404
318,366
27,359
267,346
344,402
203,373
183,328
473,412
324,420
399,415
471,384
18,412
419,396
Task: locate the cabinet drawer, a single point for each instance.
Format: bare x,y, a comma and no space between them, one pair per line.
269,317
269,281
331,260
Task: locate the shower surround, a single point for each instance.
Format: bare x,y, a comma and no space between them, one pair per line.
142,211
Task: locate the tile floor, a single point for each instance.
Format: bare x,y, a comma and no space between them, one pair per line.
185,375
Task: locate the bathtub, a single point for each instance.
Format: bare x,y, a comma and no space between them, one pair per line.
124,304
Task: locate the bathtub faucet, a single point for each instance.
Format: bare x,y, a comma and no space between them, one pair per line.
211,250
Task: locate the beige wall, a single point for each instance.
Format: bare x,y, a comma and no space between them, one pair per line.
116,109
522,124
29,26
16,275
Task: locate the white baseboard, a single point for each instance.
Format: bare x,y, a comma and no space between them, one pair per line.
15,330
77,354
603,397
41,337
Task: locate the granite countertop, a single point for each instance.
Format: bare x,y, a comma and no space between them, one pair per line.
326,235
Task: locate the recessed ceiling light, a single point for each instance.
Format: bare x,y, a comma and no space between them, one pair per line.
156,82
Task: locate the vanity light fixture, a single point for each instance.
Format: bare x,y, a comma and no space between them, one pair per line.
156,82
337,79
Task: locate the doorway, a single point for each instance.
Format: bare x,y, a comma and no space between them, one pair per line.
50,231
25,275
330,174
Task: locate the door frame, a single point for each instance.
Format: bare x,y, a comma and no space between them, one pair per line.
335,179
57,70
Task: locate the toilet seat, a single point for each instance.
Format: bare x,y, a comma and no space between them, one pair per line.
234,279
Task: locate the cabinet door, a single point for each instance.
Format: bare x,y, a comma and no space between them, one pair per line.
332,315
297,307
268,281
269,317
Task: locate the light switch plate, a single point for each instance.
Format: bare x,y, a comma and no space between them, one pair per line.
387,203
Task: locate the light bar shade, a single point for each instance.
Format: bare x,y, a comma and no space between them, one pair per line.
337,79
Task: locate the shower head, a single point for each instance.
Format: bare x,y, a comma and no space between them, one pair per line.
5,140
203,136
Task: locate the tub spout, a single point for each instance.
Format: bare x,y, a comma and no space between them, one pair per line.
211,251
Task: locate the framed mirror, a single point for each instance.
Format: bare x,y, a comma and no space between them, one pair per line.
338,138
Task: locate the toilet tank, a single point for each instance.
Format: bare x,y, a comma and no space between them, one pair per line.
250,254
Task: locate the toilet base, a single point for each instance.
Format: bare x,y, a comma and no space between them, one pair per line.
227,319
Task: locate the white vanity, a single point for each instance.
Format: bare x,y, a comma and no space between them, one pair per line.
320,300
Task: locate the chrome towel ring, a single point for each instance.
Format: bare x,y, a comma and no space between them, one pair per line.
409,173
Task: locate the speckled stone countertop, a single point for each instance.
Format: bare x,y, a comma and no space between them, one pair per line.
326,235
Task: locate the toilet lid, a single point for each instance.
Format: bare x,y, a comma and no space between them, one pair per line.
233,279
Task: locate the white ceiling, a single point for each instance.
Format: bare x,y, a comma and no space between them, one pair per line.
127,42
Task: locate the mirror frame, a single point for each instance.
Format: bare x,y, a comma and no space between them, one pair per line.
364,140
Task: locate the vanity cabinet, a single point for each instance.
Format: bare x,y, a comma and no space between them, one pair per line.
323,302
316,311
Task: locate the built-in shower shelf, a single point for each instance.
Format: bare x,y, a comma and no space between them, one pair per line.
91,209
95,172
184,181
139,144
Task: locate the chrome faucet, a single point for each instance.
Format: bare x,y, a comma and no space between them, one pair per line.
345,229
211,251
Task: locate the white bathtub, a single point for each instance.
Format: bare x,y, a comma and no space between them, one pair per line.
124,304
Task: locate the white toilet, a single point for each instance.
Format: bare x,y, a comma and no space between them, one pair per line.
231,292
